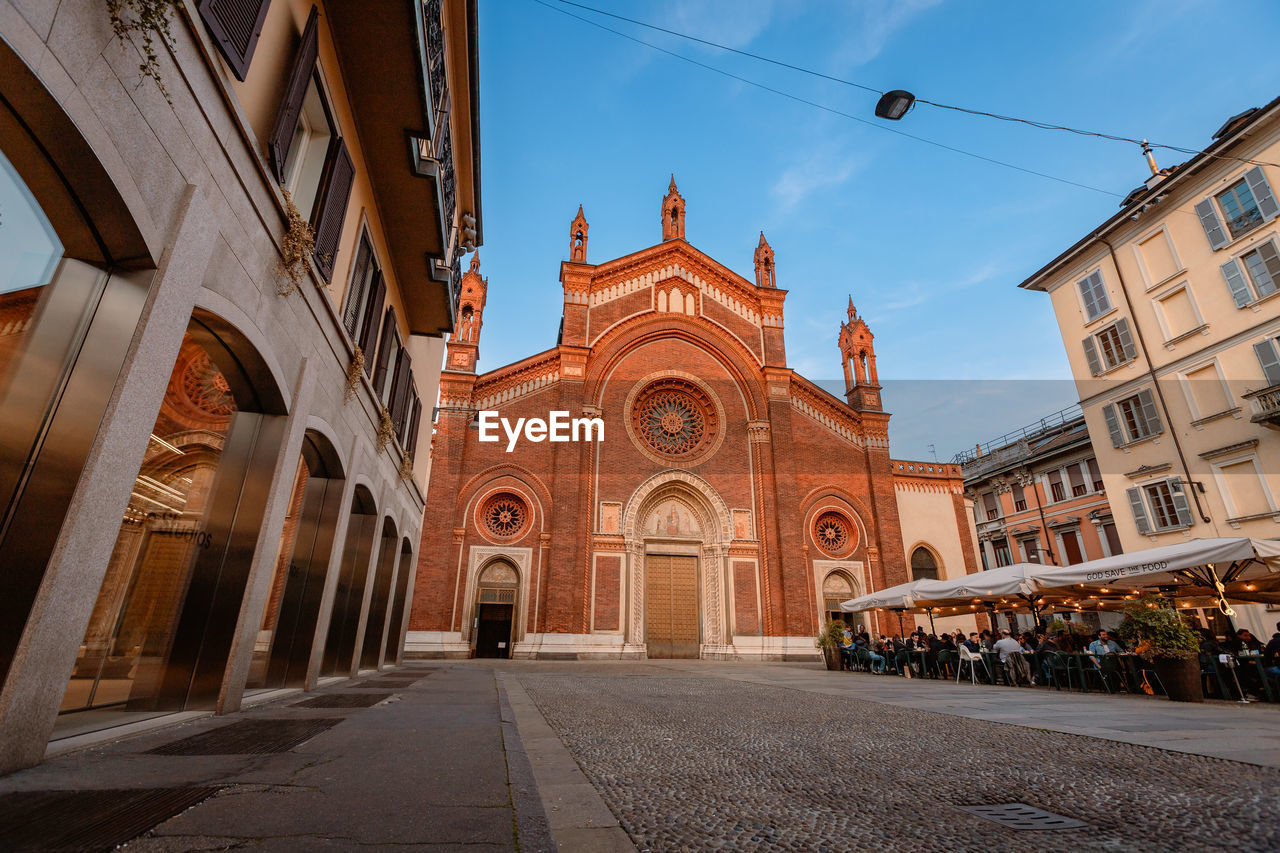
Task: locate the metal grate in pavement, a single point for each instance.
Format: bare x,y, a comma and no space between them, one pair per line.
1022,816
250,737
387,683
88,820
343,700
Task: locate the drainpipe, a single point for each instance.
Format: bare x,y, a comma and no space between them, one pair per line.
1142,344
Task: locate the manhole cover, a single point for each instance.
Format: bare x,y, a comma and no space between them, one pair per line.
342,700
249,737
88,820
1022,816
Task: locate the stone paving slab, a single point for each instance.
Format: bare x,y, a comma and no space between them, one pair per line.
431,767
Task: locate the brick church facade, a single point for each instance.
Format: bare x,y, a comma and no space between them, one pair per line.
730,505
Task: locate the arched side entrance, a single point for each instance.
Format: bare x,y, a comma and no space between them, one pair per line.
836,588
376,624
282,651
497,591
395,625
677,530
348,598
159,635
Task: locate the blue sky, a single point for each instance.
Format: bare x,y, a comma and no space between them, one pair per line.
931,244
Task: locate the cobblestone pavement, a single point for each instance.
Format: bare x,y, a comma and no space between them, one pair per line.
696,762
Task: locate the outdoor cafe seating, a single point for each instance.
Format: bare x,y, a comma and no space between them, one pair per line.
1197,573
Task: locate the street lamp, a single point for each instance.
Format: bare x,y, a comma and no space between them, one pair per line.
894,105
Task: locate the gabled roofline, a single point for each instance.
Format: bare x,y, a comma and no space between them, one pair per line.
1179,176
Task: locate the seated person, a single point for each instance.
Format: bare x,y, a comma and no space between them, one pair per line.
846,649
877,660
1104,645
972,643
1271,654
1243,640
1010,651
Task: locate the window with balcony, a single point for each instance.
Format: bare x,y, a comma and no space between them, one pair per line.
1237,210
1268,353
1001,547
991,505
1076,477
1019,498
1159,506
1093,296
1254,275
1132,418
1110,347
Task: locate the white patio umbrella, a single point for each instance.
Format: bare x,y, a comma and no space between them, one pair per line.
1004,581
892,597
1225,567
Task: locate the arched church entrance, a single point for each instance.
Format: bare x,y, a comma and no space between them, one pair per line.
676,529
496,596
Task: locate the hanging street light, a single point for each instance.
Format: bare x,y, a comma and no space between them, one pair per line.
894,105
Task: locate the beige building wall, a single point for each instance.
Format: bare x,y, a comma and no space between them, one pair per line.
1190,350
929,497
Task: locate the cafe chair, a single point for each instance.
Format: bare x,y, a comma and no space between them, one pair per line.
973,659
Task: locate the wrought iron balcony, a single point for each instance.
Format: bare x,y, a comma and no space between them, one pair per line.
1266,406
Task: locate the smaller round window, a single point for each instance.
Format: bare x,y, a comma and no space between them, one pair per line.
834,533
504,516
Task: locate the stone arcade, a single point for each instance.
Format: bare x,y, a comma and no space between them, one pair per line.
733,504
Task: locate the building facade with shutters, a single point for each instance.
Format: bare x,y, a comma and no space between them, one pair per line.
729,506
1039,497
1170,316
214,431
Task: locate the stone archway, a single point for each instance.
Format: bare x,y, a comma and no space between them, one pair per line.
677,525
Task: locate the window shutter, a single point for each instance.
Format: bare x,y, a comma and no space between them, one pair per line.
399,390
1150,417
1270,360
384,351
354,307
340,172
411,444
369,326
304,63
1113,425
235,26
1126,339
1236,284
407,394
1139,510
1090,301
1179,496
1211,224
1091,356
1262,194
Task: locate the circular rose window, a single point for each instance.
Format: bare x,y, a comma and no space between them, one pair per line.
674,418
504,516
834,533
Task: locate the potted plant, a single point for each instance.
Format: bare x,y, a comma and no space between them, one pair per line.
829,641
1166,641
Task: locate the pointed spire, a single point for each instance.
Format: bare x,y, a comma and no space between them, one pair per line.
673,213
764,264
578,237
853,312
475,262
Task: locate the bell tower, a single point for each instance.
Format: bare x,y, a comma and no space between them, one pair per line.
857,351
578,237
464,343
764,264
673,213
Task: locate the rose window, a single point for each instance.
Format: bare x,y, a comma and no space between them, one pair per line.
504,516
206,387
674,418
833,533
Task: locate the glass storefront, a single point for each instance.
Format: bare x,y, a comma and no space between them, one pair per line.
135,618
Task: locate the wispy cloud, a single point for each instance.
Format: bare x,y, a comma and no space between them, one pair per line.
826,166
733,23
874,24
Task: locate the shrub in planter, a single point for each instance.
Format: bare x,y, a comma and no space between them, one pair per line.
829,641
1168,643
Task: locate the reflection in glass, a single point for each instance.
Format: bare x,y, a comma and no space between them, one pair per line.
132,627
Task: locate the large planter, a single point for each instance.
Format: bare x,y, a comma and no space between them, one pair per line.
1181,678
832,656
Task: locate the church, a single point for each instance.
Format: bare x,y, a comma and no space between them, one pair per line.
729,507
